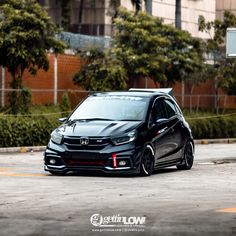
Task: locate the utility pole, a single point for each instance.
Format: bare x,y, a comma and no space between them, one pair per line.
81,8
178,24
3,87
178,14
55,78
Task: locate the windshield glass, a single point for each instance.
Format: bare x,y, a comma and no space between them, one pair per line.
111,108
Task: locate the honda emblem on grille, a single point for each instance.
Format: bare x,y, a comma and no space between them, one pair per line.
84,141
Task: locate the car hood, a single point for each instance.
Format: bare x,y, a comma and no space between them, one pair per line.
98,128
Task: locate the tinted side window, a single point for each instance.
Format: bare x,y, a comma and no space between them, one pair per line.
158,111
171,108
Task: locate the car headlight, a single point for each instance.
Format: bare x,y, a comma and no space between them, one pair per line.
56,137
129,137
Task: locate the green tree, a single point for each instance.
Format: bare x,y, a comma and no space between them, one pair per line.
143,47
150,49
224,70
26,35
101,72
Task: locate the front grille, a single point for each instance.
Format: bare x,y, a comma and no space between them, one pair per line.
85,159
75,143
80,162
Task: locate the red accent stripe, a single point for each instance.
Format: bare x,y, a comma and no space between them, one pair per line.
114,160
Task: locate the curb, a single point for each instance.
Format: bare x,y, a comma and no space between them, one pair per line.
215,141
23,149
43,148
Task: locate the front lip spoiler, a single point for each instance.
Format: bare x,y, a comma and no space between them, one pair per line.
106,169
117,168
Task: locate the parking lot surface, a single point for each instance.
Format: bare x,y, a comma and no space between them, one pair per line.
201,201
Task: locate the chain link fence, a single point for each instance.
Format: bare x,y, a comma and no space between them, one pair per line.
191,102
207,101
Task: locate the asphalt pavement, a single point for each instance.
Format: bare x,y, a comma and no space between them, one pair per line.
201,201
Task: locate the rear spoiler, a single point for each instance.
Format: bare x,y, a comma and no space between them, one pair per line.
159,90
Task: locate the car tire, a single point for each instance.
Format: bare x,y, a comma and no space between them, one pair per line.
188,157
147,162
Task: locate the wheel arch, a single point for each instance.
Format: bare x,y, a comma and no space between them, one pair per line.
152,149
149,146
147,150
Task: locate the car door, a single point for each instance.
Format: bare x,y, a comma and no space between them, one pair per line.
159,130
174,135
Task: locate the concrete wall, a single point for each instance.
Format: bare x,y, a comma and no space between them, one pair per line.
42,86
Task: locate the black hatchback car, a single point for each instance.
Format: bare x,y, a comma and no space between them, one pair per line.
135,131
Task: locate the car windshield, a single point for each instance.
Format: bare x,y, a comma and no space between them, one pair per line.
130,108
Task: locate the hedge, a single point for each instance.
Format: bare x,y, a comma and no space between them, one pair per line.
26,131
33,131
218,127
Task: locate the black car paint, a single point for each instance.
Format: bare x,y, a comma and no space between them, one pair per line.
166,138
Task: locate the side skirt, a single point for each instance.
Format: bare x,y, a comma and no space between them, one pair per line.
168,164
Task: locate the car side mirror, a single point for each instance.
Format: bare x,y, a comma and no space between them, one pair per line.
62,120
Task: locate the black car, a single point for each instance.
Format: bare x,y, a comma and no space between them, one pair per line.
135,131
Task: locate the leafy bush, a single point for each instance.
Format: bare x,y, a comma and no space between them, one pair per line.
26,131
218,127
33,131
65,105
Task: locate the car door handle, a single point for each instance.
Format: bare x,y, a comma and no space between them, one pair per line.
161,130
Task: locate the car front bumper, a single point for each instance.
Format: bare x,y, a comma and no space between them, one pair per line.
113,159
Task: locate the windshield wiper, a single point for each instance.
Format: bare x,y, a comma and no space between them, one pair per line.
91,119
98,118
129,120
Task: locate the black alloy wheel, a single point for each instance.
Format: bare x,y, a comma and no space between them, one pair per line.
147,163
188,157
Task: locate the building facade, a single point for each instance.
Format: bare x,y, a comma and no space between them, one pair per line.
96,16
222,5
190,11
88,18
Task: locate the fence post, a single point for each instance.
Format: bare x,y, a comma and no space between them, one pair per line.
216,95
55,78
182,93
3,87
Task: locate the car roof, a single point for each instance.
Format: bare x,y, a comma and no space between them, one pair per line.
137,92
